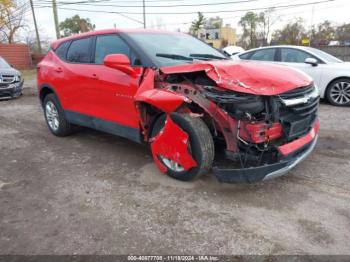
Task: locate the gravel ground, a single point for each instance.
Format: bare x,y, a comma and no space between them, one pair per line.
93,193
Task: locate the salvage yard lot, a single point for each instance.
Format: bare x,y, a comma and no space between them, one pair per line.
93,193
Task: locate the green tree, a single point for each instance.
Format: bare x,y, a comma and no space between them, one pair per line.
290,34
75,25
249,23
197,23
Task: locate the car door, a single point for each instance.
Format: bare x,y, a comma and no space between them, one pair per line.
296,58
114,90
78,76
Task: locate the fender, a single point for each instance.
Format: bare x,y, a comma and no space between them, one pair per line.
172,143
164,100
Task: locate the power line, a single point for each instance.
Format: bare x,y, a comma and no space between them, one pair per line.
156,6
205,12
128,2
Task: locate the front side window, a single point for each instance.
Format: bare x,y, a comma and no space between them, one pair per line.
263,55
79,51
289,55
110,44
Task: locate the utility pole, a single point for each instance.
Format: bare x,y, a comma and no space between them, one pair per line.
36,27
312,23
144,14
55,17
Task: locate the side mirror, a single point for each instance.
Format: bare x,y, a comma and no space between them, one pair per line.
120,62
312,61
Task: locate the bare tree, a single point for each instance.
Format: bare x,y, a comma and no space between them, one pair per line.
267,20
11,19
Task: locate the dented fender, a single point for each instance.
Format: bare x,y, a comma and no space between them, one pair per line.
172,143
164,100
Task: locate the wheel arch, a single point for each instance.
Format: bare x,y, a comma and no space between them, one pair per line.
46,89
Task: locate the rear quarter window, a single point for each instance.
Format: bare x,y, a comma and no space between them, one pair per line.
61,51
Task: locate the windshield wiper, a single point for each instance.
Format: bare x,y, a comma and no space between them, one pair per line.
208,56
174,56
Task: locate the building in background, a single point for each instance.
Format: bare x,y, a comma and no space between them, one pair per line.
217,35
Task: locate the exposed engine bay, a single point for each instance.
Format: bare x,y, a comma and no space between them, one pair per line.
250,127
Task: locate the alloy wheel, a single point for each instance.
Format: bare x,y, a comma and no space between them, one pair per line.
340,93
171,164
52,116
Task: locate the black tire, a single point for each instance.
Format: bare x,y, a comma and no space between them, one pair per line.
334,87
64,127
201,144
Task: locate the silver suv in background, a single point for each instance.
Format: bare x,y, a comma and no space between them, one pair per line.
11,82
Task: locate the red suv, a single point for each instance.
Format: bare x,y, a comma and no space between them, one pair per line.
185,99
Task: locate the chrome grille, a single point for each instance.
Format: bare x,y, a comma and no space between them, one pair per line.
6,79
298,111
302,101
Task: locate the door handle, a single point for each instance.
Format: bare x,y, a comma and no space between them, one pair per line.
58,70
94,76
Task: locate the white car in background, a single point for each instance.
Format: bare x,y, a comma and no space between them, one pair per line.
331,75
232,50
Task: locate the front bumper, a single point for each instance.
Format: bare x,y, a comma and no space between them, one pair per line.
12,90
270,171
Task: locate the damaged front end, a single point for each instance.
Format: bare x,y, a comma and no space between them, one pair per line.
273,135
263,134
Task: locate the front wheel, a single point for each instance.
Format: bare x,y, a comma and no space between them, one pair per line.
201,146
55,118
338,93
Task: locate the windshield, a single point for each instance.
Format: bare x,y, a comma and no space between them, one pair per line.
325,56
3,63
171,49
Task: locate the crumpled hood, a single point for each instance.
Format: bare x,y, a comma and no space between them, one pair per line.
247,76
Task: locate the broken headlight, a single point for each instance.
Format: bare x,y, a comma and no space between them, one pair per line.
236,103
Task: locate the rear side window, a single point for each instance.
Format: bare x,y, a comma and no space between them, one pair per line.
61,51
263,55
245,56
79,51
110,44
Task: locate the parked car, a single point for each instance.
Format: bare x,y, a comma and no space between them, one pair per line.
232,50
179,95
11,82
331,75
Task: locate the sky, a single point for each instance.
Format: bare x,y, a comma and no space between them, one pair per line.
336,11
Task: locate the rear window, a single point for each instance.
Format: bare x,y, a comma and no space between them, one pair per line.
79,51
61,51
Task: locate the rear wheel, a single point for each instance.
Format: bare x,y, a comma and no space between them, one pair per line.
338,92
201,146
55,118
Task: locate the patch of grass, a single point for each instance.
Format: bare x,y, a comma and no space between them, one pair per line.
29,74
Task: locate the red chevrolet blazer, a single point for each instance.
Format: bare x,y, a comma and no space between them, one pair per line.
198,110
